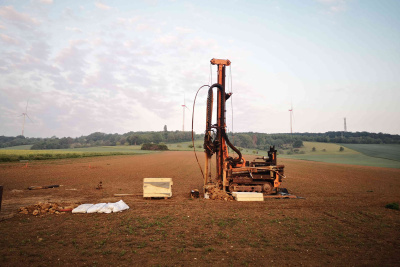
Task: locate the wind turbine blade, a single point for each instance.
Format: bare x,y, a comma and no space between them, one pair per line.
29,118
26,108
293,114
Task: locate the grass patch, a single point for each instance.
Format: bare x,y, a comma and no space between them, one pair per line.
349,159
392,206
22,147
317,148
12,155
209,249
385,151
327,152
186,146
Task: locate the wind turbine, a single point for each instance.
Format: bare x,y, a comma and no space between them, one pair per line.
345,127
25,114
184,107
291,119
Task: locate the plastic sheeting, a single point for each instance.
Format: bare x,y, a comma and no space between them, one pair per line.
101,207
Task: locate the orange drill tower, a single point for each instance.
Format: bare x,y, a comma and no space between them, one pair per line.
234,174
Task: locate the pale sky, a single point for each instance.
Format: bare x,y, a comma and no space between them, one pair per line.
119,66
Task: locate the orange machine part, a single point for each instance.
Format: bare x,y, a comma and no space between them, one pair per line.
225,62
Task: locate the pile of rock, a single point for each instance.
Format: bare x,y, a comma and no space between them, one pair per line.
47,208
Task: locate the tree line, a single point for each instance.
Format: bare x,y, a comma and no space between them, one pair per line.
264,141
97,139
245,140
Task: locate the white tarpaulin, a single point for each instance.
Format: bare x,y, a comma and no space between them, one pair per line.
95,208
82,208
101,207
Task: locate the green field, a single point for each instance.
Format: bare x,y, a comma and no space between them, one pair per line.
186,146
121,149
17,153
23,147
348,155
325,148
385,151
324,152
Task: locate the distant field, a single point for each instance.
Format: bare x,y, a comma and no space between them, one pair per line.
325,148
135,149
23,147
16,154
324,152
185,146
387,156
348,156
357,159
384,151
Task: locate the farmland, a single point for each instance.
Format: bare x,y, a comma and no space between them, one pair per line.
384,151
22,152
341,221
377,155
387,156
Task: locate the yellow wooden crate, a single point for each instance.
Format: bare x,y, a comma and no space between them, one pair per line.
157,187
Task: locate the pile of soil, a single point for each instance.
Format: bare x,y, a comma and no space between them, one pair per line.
218,194
47,208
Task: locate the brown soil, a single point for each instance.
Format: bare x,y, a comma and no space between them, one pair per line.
342,221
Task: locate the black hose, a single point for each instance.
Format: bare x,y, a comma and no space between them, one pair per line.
222,122
194,147
238,160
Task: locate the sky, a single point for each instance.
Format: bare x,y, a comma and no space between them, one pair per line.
120,66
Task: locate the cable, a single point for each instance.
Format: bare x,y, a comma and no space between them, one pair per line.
210,76
194,147
230,74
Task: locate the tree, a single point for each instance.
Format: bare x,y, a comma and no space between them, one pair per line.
278,143
157,137
143,138
122,140
132,139
341,149
297,144
245,140
254,140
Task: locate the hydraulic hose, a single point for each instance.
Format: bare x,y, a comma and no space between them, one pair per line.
222,122
233,147
194,147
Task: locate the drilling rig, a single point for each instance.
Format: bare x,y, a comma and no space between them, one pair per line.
234,174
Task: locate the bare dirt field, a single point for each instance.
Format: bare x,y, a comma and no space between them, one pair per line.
342,221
